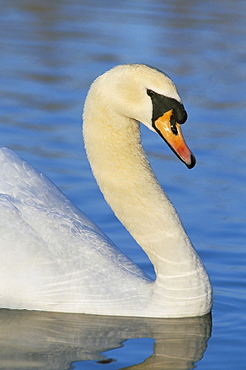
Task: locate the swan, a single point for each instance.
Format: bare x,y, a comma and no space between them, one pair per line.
53,258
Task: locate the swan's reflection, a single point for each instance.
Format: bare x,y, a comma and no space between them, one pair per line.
41,340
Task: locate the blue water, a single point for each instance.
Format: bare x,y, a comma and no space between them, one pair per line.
50,53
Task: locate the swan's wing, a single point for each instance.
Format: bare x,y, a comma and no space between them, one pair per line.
49,248
28,187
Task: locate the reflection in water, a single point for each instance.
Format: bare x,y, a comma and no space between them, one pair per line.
41,340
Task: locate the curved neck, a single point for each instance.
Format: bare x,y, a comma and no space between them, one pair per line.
130,187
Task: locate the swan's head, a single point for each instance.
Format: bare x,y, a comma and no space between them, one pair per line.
143,93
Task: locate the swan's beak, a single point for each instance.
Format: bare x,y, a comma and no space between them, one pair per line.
171,132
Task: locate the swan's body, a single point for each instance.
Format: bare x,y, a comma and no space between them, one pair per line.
54,258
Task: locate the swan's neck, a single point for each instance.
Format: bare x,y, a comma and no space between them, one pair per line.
130,187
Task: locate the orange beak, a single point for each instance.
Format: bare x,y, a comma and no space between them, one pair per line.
171,132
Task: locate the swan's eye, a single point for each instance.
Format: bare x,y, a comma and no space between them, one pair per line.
150,92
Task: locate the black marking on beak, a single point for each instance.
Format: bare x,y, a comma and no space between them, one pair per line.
162,104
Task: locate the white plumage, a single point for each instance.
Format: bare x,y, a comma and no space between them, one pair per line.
53,258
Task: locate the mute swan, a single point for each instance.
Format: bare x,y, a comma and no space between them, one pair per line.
53,258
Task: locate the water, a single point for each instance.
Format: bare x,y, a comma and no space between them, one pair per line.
50,53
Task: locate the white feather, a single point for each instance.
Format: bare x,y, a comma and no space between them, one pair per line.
53,258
